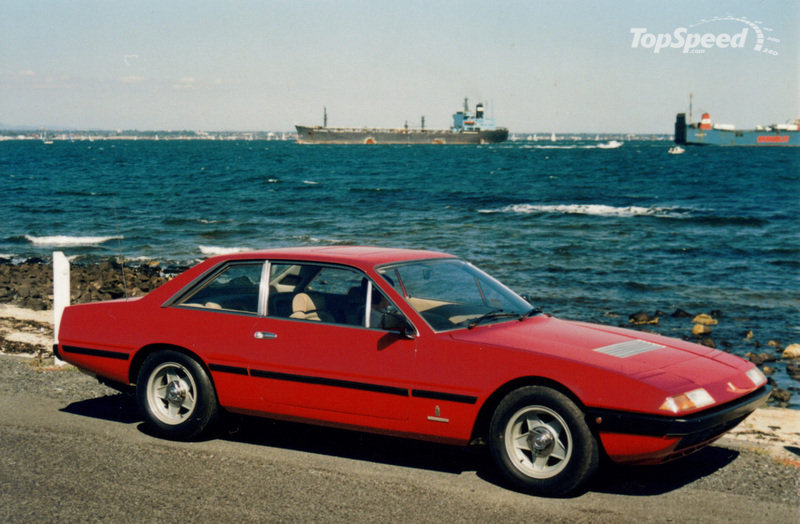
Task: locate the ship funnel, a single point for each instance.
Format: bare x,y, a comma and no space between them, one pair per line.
479,111
705,122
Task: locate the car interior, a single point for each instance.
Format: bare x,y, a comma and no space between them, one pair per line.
299,291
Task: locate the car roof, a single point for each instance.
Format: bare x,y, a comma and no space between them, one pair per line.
351,255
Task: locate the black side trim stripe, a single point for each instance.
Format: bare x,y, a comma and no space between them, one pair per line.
323,381
228,369
95,352
348,384
437,395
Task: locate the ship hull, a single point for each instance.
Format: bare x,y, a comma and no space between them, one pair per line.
693,135
332,135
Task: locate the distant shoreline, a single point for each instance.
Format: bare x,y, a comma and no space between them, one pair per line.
48,136
79,135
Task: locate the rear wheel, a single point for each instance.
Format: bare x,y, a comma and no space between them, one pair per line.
541,443
175,395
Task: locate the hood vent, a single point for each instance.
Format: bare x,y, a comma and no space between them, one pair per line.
628,349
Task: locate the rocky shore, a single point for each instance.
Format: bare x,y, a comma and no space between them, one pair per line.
30,284
26,297
26,322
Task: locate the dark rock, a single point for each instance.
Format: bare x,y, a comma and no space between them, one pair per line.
36,304
793,370
680,313
760,358
708,342
780,396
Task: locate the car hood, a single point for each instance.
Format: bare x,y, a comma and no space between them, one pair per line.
665,362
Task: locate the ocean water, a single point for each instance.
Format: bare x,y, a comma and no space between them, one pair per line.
589,233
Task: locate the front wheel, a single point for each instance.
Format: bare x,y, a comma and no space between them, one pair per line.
541,442
175,395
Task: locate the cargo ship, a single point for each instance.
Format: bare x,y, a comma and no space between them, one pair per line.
469,127
707,133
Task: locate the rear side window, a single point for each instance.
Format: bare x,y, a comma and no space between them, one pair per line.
233,288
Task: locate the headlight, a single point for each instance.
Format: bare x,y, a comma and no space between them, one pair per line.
756,376
697,398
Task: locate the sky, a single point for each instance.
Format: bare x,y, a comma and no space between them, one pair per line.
589,66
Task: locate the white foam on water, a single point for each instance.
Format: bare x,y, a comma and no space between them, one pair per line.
217,250
609,145
587,209
70,241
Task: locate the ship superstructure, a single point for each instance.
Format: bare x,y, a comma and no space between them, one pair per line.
706,132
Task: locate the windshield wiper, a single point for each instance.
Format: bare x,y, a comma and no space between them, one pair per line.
531,313
499,313
492,315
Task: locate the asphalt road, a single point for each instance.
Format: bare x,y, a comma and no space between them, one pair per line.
72,451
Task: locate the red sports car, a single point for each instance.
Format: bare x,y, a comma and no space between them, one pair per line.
410,343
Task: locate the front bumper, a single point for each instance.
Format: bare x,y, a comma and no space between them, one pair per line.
669,437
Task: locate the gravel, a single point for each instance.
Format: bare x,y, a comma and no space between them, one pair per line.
736,470
46,380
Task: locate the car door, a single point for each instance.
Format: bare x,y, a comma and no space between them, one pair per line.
331,357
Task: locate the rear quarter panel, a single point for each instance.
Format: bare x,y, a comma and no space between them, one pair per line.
102,337
107,334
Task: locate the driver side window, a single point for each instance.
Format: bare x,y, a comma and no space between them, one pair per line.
328,294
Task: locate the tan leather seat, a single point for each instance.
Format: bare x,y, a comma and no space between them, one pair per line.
308,307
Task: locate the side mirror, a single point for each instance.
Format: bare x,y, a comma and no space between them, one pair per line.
401,325
408,331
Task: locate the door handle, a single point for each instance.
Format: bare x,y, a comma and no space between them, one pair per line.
264,335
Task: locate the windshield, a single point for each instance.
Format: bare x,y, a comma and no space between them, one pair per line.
450,293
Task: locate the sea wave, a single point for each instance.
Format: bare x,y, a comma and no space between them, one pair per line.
218,250
182,221
78,193
572,146
308,239
67,240
589,209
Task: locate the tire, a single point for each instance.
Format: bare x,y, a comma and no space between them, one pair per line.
175,396
541,443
